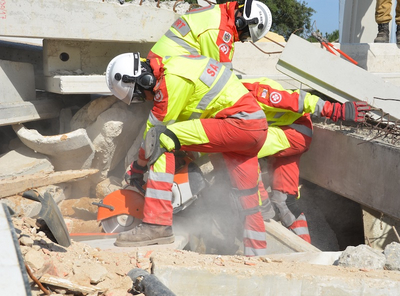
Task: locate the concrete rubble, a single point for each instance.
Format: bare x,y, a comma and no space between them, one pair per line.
78,152
104,271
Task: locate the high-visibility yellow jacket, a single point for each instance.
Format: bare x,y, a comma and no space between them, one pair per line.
209,31
197,87
282,108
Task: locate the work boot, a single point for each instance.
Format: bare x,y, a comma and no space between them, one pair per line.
383,33
398,34
145,234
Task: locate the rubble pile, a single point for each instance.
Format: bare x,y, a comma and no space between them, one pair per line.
89,271
83,270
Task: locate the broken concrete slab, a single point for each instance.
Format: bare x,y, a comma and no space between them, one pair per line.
336,77
70,151
379,229
19,102
17,82
27,208
282,240
84,24
319,258
88,114
23,161
107,243
113,132
234,275
14,185
340,172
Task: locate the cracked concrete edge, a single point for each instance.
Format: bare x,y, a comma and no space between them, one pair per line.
63,149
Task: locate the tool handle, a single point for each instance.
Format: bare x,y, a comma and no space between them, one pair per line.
345,55
100,204
32,195
328,48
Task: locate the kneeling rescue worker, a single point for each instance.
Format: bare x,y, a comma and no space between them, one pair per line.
199,105
290,131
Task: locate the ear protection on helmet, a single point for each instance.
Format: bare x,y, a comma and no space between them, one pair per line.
146,79
240,22
127,76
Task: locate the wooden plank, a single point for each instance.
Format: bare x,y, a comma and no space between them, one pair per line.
12,186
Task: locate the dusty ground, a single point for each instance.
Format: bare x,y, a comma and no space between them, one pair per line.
105,271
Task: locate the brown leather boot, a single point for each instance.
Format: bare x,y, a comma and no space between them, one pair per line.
145,234
383,33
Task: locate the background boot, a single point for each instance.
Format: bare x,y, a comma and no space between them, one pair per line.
383,33
145,234
398,34
300,228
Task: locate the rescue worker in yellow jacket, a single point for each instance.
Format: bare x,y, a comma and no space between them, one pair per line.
211,31
199,105
289,136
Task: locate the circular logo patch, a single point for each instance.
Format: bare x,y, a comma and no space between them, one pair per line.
275,97
158,96
224,48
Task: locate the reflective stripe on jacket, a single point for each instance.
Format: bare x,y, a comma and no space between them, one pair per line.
208,31
192,87
283,107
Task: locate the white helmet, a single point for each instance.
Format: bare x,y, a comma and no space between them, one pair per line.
258,18
127,76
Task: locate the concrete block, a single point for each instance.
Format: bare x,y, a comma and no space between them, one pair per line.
87,20
69,57
379,229
336,77
281,240
23,161
363,171
228,275
68,151
17,82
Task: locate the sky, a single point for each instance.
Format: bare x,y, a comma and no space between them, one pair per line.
326,14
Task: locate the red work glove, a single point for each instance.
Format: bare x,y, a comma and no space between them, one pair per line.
134,175
350,111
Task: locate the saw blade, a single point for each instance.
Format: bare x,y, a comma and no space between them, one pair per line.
119,223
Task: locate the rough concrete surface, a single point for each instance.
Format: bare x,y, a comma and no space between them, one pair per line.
183,271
